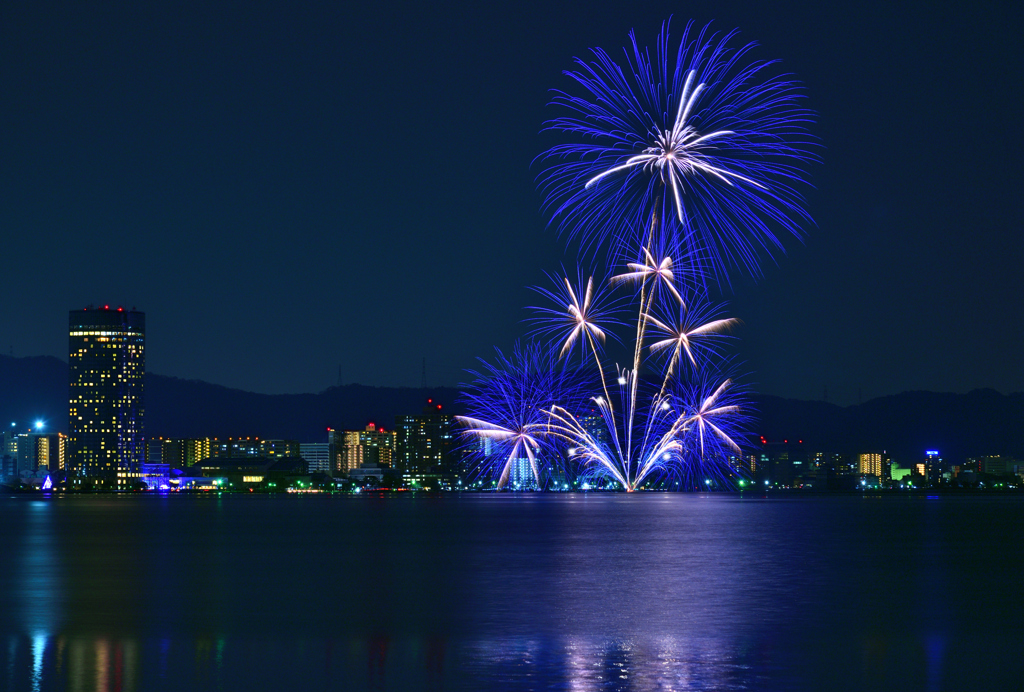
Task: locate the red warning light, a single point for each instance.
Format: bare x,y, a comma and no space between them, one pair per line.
430,401
106,307
439,407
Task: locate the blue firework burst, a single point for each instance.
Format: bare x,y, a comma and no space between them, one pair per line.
507,404
695,142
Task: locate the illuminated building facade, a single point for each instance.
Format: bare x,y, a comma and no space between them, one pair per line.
933,466
370,447
870,464
107,365
234,447
423,442
335,449
277,449
39,454
182,453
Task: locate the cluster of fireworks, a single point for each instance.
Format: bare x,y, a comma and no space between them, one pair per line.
686,168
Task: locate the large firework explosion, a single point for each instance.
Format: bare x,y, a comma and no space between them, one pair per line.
686,166
695,134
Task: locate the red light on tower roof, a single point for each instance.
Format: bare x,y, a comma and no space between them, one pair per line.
430,401
439,407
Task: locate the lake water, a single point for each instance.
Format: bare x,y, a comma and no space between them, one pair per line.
511,592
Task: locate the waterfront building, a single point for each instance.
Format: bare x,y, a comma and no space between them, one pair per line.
155,451
335,449
250,471
180,453
869,464
371,447
234,447
156,476
39,454
106,367
363,474
997,465
933,466
10,444
785,463
275,449
898,474
520,475
423,443
317,456
841,464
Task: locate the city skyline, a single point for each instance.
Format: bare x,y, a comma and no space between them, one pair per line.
239,168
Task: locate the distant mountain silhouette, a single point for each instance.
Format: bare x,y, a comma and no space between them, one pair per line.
958,425
980,422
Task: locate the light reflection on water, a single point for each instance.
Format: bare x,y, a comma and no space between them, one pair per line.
574,664
518,593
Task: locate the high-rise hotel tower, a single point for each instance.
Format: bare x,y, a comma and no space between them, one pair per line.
107,364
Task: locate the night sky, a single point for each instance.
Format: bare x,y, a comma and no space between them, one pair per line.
287,189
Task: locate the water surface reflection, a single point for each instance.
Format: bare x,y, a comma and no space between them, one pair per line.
576,664
508,593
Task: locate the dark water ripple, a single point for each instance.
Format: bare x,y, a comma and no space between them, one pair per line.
528,592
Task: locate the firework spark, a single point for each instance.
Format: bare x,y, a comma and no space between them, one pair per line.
691,138
507,402
705,154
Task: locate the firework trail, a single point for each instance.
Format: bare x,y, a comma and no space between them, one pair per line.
647,423
686,165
